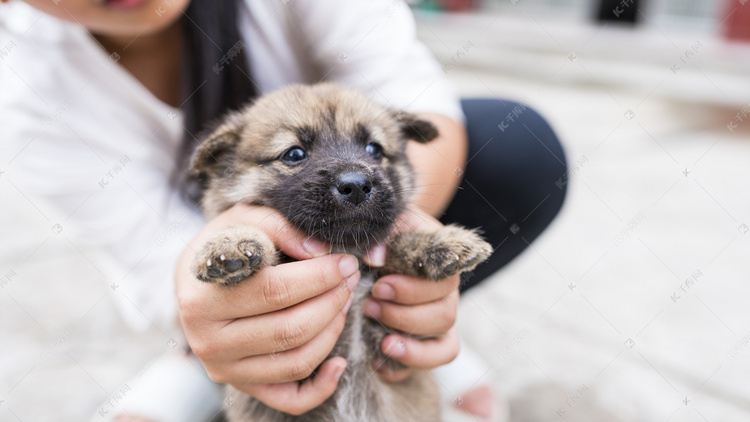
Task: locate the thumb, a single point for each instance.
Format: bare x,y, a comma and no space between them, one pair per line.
283,234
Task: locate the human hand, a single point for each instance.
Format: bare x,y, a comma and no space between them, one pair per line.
415,306
271,330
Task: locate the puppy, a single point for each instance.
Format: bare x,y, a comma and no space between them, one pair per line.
334,164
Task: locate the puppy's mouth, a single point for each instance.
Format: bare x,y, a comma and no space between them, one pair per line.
350,213
350,228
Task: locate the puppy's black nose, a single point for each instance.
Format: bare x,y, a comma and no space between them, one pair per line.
354,187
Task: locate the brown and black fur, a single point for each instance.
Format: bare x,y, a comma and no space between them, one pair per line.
243,160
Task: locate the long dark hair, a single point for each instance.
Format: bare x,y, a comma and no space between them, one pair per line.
215,74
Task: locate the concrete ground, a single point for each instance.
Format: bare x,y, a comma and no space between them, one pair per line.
633,306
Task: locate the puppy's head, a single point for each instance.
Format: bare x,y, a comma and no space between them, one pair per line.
329,159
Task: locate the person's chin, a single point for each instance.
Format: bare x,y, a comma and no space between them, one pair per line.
136,17
126,5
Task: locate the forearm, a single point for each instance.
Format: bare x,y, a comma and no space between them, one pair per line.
438,165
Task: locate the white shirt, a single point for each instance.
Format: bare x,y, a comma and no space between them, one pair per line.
93,149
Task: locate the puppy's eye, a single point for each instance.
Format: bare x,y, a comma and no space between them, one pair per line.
293,155
375,150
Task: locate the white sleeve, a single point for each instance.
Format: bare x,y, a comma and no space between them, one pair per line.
372,45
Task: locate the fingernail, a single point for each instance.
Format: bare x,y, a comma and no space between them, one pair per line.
348,265
348,304
376,256
383,291
315,247
353,281
339,372
396,349
372,309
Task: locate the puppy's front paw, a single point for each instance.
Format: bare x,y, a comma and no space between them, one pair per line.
437,255
233,255
454,250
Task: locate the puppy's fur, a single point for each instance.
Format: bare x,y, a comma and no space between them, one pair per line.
334,164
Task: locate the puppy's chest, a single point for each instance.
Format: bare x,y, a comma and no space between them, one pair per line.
355,338
359,392
355,335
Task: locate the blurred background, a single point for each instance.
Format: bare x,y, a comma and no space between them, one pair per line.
633,306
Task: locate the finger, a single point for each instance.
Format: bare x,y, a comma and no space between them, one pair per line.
283,330
375,257
407,290
296,398
389,374
422,354
283,234
432,318
414,218
282,286
291,365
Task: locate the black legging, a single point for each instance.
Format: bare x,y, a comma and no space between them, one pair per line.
515,179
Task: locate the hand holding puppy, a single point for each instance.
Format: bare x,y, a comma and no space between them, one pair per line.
414,305
308,294
264,335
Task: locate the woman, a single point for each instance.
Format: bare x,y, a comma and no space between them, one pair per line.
105,99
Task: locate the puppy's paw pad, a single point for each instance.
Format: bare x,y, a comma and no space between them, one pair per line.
227,262
439,262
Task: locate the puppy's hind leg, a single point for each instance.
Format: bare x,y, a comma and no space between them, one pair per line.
233,255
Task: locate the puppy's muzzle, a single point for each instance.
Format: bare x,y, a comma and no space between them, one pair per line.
354,187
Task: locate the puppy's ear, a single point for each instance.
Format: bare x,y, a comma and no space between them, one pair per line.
213,156
414,127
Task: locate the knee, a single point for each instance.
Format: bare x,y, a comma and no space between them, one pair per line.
516,148
549,162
